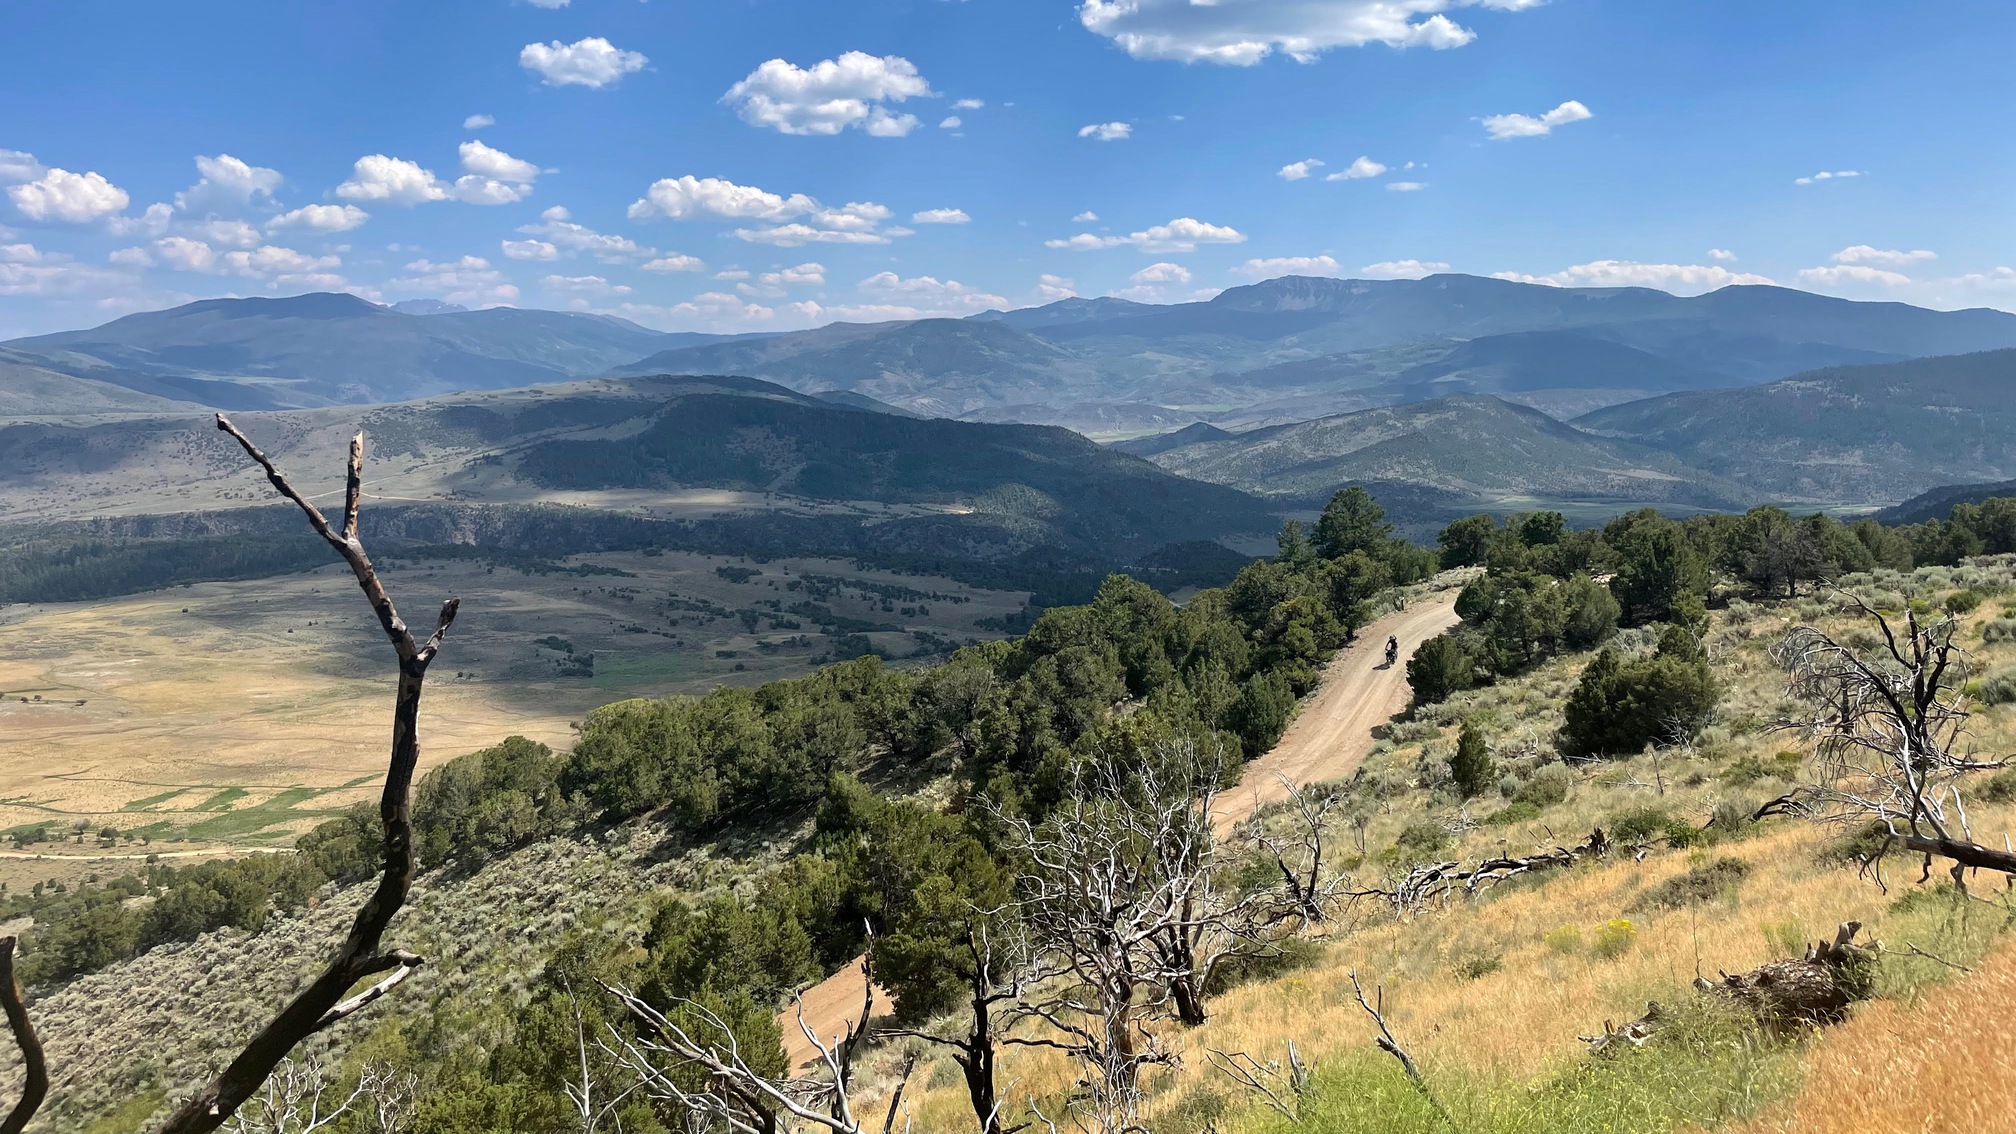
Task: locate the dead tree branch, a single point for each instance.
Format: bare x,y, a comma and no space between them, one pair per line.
1376,1008
327,999
36,1086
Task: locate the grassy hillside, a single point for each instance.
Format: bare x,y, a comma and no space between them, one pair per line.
1863,434
1476,446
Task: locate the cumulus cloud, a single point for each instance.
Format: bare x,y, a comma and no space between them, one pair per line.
1826,175
831,95
227,233
1358,170
557,226
470,281
1722,255
940,216
321,218
1242,34
152,221
929,295
593,62
1183,234
395,181
776,285
1271,267
485,161
185,255
1840,274
1162,273
586,286
226,180
1297,170
1402,269
795,235
493,177
688,197
1405,186
1685,279
1086,217
72,198
968,104
951,122
675,262
1107,131
1050,289
1504,127
478,122
17,166
1864,254
529,250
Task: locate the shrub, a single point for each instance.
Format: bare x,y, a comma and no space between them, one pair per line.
1639,824
1787,938
1548,787
1564,940
2000,788
1520,812
1960,602
2000,630
1702,884
1622,705
1471,768
1999,688
1476,968
1613,937
1422,840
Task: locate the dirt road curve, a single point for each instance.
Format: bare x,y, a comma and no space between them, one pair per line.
1328,740
1333,734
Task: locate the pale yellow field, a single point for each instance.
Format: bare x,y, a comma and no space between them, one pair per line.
228,712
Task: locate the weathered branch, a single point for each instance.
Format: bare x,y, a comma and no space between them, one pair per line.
1391,1045
327,999
36,1086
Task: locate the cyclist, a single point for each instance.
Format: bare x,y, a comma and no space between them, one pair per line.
1392,650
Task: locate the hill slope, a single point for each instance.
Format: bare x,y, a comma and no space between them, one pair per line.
1474,445
1861,434
29,387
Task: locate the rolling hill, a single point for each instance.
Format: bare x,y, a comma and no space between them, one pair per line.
28,387
1471,446
1859,434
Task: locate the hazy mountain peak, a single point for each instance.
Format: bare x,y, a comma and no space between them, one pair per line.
427,307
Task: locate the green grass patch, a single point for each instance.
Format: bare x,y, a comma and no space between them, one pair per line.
252,822
223,800
155,800
129,1117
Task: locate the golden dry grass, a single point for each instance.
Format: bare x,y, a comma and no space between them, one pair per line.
1946,1065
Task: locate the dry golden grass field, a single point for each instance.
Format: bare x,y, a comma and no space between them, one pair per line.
240,713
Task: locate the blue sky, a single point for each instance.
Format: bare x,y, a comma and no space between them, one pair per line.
773,164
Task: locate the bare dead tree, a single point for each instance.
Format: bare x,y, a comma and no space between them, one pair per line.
667,1056
35,1088
1311,889
1388,1043
1431,882
593,1102
1281,1089
999,969
300,1097
1888,730
361,956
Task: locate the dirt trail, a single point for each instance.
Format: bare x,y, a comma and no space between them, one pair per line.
1328,740
1333,733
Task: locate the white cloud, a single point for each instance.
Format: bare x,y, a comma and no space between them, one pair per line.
51,276
321,218
227,180
1242,34
684,198
478,122
558,229
1827,175
776,285
1841,274
731,274
940,216
1358,170
1183,234
968,104
484,161
593,286
1050,289
17,166
529,250
470,281
1267,269
831,95
396,181
1503,127
1864,254
1297,170
549,3
928,295
795,235
951,122
1163,273
1676,278
1107,131
1402,269
675,262
1722,255
1086,217
27,254
227,233
592,62
131,257
279,265
72,198
1405,186
152,221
